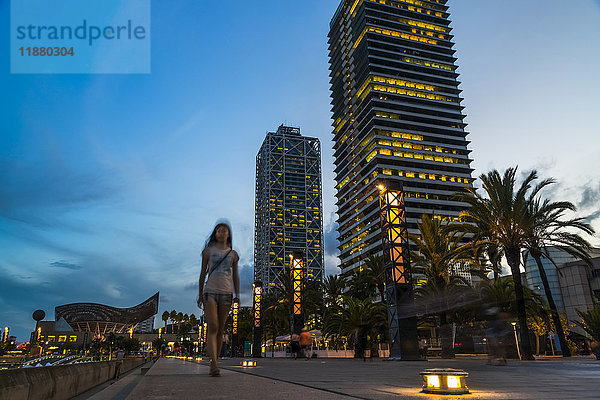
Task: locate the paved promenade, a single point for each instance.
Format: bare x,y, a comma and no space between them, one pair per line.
552,378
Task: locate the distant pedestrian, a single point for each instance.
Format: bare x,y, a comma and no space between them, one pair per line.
225,345
306,342
295,345
220,270
495,332
120,354
423,348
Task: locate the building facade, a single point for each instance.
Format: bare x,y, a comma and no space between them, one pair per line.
145,326
397,117
573,284
288,206
534,281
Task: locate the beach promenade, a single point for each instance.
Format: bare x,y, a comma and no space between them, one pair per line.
170,378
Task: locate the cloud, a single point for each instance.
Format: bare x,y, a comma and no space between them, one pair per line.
590,195
591,217
246,273
117,283
35,194
65,265
330,236
332,252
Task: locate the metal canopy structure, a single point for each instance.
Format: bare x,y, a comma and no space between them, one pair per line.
288,206
102,319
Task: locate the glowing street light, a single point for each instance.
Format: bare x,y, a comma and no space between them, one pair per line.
236,309
297,275
257,328
234,327
398,275
248,363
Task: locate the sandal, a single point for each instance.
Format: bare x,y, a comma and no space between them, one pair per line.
214,369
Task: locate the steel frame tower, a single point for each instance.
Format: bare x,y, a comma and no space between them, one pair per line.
399,294
288,206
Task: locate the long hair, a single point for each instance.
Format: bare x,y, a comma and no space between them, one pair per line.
212,239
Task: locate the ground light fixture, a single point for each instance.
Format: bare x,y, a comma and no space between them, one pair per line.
445,381
248,363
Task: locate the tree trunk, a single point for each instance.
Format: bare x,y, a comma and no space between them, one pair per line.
566,352
514,260
381,289
446,334
496,269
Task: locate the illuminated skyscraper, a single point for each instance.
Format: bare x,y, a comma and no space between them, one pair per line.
288,205
397,117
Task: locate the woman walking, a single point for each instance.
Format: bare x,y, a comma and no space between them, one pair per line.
220,270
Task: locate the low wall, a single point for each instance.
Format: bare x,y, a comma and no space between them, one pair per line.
59,382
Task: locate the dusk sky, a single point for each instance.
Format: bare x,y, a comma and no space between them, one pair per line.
110,184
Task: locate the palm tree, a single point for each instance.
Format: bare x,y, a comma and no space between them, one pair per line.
362,285
436,252
358,320
165,318
590,322
179,320
275,314
172,316
546,229
500,293
333,290
375,265
193,321
312,301
494,253
501,218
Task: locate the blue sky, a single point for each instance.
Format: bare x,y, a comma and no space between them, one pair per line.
109,184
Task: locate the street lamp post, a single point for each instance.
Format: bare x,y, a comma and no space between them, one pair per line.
514,325
398,277
257,327
234,328
297,273
204,326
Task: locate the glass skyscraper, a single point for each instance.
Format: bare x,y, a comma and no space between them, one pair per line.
288,206
397,117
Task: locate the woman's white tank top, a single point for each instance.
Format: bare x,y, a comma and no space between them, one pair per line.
221,279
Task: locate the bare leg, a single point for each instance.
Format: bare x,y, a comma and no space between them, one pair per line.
212,327
223,311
